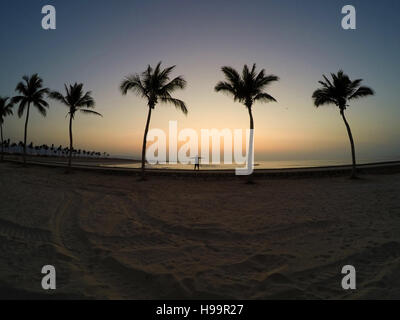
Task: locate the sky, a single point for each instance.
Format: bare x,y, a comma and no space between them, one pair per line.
99,42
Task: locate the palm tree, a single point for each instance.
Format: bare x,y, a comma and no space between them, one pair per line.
155,86
247,88
76,100
339,91
31,93
5,110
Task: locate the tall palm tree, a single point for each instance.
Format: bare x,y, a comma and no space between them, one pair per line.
31,93
247,88
339,91
155,86
5,110
76,100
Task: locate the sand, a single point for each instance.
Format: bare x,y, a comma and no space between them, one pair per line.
112,237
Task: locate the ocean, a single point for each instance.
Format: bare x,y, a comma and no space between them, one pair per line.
280,164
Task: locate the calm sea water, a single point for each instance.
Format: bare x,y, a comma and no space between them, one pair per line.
257,165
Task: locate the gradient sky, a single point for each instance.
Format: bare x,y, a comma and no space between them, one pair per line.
98,42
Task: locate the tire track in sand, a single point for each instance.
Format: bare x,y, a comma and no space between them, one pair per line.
13,230
108,277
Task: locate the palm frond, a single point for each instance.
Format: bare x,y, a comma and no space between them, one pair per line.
355,84
75,99
5,108
155,85
225,87
362,92
86,101
22,88
59,97
265,80
135,84
247,88
264,97
339,90
179,104
328,82
42,110
231,75
164,75
176,83
87,111
41,92
31,92
21,108
42,103
322,97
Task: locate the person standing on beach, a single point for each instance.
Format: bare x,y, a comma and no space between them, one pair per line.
197,163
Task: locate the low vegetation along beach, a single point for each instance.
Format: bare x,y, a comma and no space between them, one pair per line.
111,236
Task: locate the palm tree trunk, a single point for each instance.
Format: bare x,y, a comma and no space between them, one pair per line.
2,143
353,152
251,118
26,132
70,142
250,177
144,142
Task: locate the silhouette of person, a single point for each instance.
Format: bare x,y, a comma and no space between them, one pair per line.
197,163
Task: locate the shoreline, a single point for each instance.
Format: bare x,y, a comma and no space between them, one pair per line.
98,165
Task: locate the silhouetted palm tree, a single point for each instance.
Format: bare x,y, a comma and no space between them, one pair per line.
76,100
247,88
155,86
339,91
5,110
31,93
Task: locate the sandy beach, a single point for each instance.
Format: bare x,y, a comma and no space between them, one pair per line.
112,237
